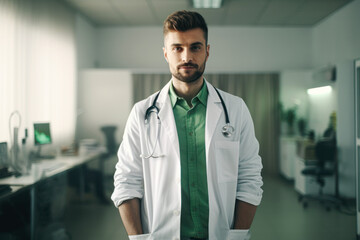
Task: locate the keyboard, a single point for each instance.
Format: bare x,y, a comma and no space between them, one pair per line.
53,166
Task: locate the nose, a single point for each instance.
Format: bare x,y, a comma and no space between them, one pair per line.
186,55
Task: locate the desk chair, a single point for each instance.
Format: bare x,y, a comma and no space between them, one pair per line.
111,145
325,152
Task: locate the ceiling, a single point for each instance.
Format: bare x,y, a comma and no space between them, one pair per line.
283,13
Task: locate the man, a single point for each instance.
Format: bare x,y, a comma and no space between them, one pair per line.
185,171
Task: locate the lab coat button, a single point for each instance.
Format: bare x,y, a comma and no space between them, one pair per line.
176,212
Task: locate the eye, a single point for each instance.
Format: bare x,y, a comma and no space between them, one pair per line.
196,48
177,49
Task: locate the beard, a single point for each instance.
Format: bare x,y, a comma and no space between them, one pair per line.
189,78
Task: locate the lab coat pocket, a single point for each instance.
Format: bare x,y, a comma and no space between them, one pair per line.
239,234
139,237
227,157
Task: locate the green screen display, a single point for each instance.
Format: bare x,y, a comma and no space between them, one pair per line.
42,133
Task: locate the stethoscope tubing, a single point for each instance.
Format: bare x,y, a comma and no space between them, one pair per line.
227,121
227,130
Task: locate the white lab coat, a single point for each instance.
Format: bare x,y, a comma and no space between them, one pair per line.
233,167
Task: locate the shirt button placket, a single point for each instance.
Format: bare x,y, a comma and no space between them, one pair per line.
176,213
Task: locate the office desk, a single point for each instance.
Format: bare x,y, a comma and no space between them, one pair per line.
41,171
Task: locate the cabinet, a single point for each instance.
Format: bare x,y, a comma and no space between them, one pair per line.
307,184
287,157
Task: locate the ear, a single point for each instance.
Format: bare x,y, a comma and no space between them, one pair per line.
165,54
207,51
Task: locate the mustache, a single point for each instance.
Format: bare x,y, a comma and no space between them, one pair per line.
188,65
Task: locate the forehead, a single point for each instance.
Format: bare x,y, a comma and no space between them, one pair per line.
187,37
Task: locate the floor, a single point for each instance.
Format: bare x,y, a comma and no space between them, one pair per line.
279,217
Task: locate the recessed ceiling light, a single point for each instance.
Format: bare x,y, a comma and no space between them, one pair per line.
319,90
207,3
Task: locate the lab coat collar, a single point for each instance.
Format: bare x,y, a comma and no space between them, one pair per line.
213,96
213,112
167,119
164,94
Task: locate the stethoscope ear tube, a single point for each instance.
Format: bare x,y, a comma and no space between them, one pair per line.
224,107
152,108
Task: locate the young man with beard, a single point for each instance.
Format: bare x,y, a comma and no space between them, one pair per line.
188,165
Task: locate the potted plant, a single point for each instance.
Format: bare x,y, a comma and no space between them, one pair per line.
290,117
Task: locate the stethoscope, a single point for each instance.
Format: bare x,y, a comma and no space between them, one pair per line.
227,130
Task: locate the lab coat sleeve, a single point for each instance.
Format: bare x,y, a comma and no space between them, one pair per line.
249,173
128,177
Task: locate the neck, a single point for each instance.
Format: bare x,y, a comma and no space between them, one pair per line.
187,90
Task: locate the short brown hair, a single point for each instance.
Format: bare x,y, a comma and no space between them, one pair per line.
185,20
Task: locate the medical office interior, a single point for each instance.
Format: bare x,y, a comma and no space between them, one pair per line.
71,70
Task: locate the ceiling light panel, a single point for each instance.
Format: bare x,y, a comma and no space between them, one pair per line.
207,3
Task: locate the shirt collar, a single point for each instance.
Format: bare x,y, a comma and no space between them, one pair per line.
202,95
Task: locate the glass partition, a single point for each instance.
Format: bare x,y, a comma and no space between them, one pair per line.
357,140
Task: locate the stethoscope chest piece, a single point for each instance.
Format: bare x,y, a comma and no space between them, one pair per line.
227,130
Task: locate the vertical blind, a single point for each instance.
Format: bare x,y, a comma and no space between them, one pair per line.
260,92
37,66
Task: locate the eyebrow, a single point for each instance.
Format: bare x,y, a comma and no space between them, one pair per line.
196,43
193,44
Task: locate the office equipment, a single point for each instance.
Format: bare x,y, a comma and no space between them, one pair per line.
42,136
42,133
14,136
325,166
25,161
49,170
4,172
3,154
4,161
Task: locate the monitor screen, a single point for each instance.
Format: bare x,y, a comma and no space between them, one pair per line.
42,133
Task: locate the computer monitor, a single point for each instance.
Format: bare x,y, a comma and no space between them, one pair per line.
42,134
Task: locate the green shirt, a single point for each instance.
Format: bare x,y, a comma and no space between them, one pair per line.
190,125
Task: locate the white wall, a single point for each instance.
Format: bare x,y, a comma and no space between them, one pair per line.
336,40
244,49
85,43
293,86
320,108
104,99
85,56
232,49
